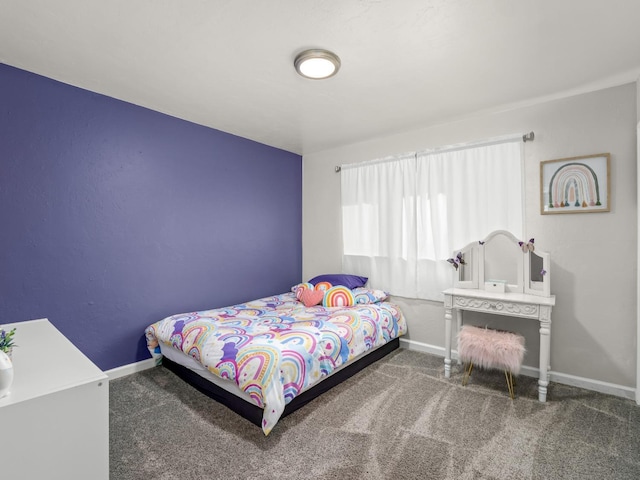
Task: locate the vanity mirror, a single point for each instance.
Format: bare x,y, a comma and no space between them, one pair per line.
536,274
466,275
502,263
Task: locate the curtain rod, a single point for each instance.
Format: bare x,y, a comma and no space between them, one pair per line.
527,137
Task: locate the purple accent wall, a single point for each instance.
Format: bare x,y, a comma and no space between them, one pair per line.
113,216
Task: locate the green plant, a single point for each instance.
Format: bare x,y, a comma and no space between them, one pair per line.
7,340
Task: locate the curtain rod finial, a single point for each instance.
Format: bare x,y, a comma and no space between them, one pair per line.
528,137
338,168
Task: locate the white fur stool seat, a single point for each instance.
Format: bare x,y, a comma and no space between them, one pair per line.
492,349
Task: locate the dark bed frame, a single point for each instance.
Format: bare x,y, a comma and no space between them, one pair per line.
252,412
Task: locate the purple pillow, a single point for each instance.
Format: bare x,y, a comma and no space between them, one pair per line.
349,281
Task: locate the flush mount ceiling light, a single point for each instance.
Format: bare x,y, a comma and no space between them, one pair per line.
317,64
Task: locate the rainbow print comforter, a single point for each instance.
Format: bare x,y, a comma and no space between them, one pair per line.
274,348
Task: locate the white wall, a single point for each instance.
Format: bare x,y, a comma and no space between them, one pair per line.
594,256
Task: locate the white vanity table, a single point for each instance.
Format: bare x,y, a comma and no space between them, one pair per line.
501,277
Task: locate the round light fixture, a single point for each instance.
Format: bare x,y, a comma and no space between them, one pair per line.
317,64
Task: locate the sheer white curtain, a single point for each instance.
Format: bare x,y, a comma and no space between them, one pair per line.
403,216
379,222
465,193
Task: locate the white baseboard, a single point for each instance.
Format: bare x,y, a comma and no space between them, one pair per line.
590,384
558,377
422,347
125,370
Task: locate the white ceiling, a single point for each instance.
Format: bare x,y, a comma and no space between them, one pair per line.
405,63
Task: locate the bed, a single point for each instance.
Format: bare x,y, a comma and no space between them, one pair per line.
268,357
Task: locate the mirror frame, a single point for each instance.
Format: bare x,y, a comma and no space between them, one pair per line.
541,289
509,287
475,252
471,250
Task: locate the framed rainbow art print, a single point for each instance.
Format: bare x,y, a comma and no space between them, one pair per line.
575,184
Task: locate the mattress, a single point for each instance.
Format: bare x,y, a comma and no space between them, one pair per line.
270,350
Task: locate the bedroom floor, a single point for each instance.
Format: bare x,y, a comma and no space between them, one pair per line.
398,418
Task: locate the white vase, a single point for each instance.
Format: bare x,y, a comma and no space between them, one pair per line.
6,374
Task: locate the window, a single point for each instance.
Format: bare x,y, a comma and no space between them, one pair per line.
403,216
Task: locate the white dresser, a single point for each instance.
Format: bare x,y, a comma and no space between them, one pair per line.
55,422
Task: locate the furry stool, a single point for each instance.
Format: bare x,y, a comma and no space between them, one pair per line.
491,349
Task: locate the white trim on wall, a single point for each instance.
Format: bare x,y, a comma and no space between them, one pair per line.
558,377
638,269
125,370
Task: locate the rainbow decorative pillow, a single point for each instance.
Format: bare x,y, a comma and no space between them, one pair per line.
301,287
338,296
367,295
323,286
296,286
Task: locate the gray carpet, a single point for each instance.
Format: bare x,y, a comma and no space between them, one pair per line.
397,419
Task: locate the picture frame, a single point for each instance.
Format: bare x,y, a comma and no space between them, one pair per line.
575,184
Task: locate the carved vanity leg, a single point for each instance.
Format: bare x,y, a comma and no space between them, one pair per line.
458,327
447,335
545,350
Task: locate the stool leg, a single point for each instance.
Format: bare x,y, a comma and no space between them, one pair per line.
513,385
467,374
510,385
